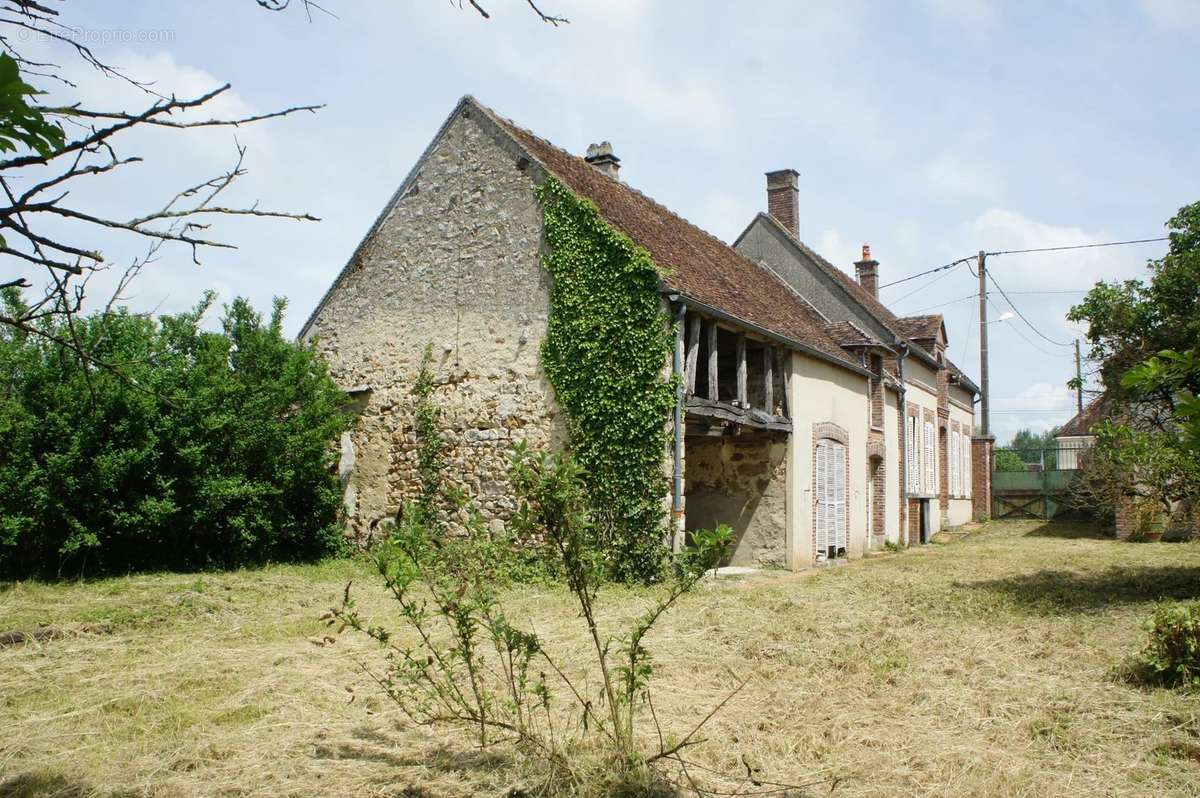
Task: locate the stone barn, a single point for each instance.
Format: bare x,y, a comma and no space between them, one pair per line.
790,418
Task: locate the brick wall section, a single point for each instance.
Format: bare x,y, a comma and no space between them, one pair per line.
877,483
981,476
783,199
943,454
1126,518
877,391
914,522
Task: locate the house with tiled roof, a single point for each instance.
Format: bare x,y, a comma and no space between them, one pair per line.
932,460
1075,437
784,413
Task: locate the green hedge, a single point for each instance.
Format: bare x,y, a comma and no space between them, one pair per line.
187,449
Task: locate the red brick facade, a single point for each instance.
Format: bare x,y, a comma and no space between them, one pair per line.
877,484
783,198
981,476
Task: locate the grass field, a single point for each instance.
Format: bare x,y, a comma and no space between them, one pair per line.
982,666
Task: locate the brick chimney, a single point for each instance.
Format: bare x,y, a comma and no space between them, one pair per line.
601,156
867,271
783,198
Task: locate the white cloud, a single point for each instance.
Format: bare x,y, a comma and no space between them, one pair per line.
1003,229
1038,406
837,249
971,15
1172,14
610,53
722,214
955,177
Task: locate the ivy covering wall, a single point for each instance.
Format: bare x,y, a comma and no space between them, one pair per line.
606,347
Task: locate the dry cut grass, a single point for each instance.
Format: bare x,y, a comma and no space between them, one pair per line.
979,667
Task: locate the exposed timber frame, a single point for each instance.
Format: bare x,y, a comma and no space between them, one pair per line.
749,407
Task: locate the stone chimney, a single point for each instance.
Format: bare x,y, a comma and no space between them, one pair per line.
601,156
867,271
783,198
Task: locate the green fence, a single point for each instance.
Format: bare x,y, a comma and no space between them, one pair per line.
1034,483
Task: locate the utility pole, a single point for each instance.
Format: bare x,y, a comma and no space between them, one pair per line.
1078,380
985,428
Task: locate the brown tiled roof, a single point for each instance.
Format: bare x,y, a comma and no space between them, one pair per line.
912,328
847,333
1082,423
920,328
697,264
963,379
861,295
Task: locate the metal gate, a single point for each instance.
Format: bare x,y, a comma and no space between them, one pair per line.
1034,483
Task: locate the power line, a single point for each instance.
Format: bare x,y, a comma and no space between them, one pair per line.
1020,334
1022,315
1028,412
1059,291
923,286
944,304
1080,246
927,271
970,330
1022,251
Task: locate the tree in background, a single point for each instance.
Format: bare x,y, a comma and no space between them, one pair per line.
1145,335
1034,448
198,449
45,228
1008,460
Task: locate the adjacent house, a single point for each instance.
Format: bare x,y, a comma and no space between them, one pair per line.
932,461
813,421
1074,437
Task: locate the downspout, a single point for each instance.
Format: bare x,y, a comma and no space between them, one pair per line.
677,521
903,441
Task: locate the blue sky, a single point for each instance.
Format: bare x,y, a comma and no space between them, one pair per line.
928,129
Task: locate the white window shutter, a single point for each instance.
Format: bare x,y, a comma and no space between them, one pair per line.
930,467
910,454
839,498
955,462
967,465
820,524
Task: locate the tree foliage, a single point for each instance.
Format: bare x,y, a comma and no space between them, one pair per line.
1008,460
202,449
1035,448
1145,335
606,344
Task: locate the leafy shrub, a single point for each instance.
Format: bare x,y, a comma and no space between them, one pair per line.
457,660
1172,656
190,449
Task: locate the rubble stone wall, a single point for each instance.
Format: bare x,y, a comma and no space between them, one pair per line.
743,484
455,263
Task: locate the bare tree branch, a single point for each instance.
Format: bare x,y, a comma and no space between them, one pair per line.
47,177
553,20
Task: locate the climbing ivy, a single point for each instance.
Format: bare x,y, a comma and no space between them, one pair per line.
607,342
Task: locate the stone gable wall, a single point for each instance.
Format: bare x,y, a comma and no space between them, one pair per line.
456,263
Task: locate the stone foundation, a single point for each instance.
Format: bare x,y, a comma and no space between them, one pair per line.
742,484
